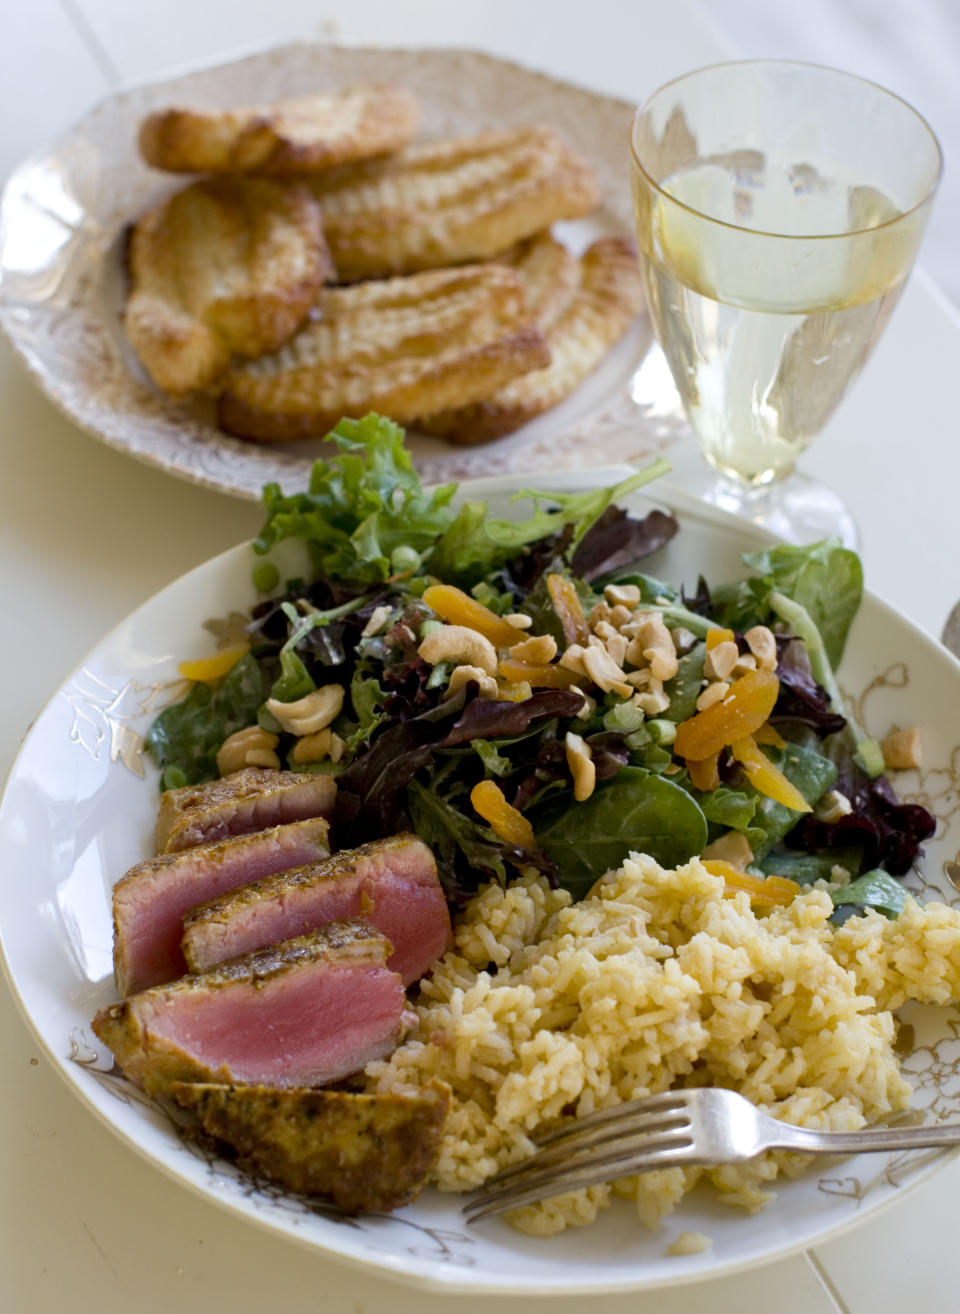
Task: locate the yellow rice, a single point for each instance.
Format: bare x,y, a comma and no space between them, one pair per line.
546,1009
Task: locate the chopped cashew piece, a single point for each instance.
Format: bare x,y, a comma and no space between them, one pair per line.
251,746
604,671
458,643
541,648
733,848
616,646
572,659
714,693
620,616
657,648
763,645
581,766
745,662
337,747
313,748
683,640
378,618
461,675
623,595
519,620
309,714
651,701
720,660
599,612
902,749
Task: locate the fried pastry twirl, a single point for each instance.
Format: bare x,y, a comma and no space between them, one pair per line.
227,265
404,347
606,295
448,202
292,136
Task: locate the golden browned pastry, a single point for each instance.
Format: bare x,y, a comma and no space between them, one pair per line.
448,202
228,265
607,294
292,136
404,347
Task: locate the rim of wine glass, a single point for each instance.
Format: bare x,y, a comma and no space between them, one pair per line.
785,64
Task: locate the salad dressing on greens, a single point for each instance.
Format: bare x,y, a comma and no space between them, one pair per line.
572,721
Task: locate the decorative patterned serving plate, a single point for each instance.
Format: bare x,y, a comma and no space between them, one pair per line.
64,213
79,809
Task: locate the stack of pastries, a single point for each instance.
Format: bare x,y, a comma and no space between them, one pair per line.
322,266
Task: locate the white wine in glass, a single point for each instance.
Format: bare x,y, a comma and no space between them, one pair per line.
779,208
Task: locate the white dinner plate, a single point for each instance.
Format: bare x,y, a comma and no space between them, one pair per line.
79,809
65,211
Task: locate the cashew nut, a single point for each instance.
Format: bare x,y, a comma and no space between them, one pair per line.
763,645
378,618
461,675
652,700
251,746
620,615
311,713
733,848
720,661
540,648
623,595
604,671
616,646
458,643
656,644
714,693
312,748
902,749
581,766
519,620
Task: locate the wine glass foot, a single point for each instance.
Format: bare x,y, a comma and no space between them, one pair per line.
799,508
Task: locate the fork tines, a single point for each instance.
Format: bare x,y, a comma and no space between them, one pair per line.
611,1143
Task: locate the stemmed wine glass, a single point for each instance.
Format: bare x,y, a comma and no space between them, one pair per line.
779,207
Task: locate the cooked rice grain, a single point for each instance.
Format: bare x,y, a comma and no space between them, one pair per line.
545,1009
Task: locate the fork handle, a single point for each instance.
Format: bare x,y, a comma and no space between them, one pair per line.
808,1141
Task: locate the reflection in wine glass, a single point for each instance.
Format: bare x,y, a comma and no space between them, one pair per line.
779,207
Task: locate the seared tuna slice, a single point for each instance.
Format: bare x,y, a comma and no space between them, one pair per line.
391,882
301,1013
366,1152
247,800
150,900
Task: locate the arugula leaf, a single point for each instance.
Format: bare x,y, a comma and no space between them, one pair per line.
474,543
361,507
874,889
188,735
636,812
824,578
494,762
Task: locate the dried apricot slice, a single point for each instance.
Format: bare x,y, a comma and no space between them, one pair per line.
765,777
716,636
546,676
764,891
745,708
212,668
503,819
458,608
567,605
767,734
704,775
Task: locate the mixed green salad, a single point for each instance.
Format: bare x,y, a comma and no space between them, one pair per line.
559,757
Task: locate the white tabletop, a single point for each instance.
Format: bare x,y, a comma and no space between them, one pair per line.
87,534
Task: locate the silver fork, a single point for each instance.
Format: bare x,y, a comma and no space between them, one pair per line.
678,1129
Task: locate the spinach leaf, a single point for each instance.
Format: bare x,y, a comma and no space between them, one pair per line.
636,812
825,578
806,868
189,734
684,689
875,889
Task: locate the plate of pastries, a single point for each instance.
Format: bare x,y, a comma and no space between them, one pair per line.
209,271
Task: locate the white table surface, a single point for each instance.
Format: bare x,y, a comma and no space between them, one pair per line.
87,534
